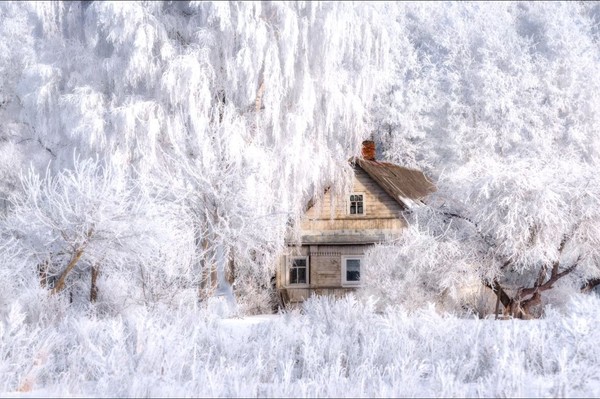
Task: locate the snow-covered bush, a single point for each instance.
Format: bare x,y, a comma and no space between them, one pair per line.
333,348
420,269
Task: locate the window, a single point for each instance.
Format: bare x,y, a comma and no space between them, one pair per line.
298,270
351,270
356,205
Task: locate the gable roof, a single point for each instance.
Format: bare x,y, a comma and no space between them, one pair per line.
407,186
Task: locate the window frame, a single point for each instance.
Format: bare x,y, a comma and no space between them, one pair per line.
349,204
290,262
345,282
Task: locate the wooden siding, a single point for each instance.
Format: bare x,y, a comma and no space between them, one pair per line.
364,223
295,295
381,210
325,267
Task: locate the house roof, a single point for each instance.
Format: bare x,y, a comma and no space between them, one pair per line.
407,186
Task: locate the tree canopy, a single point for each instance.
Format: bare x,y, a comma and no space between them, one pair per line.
231,116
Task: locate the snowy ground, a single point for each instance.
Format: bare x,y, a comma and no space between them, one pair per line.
341,349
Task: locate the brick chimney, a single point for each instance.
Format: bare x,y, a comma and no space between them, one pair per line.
368,150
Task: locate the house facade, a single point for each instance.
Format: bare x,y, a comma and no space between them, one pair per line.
329,256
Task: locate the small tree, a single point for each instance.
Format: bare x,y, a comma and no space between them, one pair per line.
89,221
236,231
527,227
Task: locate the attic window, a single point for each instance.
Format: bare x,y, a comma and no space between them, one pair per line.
356,205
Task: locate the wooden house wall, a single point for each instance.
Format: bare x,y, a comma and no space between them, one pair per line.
381,210
325,268
321,235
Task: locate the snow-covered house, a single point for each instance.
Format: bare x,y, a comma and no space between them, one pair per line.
328,258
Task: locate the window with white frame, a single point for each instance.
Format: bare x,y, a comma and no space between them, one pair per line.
298,270
351,270
356,204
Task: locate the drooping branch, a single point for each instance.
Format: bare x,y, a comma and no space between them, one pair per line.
454,215
561,247
258,102
506,264
589,285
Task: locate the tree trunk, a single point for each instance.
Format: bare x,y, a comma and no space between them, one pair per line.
94,287
223,286
526,303
205,285
501,295
60,283
230,272
497,307
43,273
513,306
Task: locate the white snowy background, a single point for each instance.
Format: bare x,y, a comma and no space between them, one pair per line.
144,142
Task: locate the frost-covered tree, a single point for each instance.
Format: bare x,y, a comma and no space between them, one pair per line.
496,103
17,147
155,86
87,227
